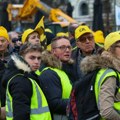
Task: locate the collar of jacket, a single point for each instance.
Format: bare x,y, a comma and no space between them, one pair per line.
105,60
50,60
20,63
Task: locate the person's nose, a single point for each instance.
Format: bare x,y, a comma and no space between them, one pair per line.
87,40
37,39
67,49
36,60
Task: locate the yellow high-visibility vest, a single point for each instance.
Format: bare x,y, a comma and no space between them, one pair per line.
39,106
102,75
65,82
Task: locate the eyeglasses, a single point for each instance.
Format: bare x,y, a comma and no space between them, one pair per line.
64,48
85,38
14,40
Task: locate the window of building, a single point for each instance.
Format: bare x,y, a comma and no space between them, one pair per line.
84,9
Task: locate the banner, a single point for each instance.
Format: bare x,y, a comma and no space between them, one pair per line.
28,8
117,15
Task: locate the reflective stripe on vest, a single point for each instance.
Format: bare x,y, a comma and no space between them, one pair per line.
37,72
100,78
65,82
39,106
74,48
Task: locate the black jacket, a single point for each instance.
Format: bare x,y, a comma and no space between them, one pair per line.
77,56
51,85
20,87
68,68
2,91
3,66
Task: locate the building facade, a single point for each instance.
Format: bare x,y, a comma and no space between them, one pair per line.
83,12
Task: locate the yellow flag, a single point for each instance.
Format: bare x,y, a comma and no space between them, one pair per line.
40,23
43,39
29,8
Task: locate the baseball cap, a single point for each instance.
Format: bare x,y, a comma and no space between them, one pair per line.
62,34
111,39
82,29
29,31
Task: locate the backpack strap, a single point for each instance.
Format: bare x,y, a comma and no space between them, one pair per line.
94,76
117,83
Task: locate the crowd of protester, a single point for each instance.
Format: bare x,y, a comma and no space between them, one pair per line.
36,80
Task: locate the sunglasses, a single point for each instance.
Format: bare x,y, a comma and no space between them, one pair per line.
84,39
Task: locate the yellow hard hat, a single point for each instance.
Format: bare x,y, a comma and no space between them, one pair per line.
98,36
29,31
111,39
4,33
61,34
48,30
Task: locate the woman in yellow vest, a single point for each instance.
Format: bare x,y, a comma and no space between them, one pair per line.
107,89
24,98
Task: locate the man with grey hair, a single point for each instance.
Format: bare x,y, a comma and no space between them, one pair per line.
85,46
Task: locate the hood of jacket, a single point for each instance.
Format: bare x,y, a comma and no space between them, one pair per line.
15,66
105,60
50,60
20,63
